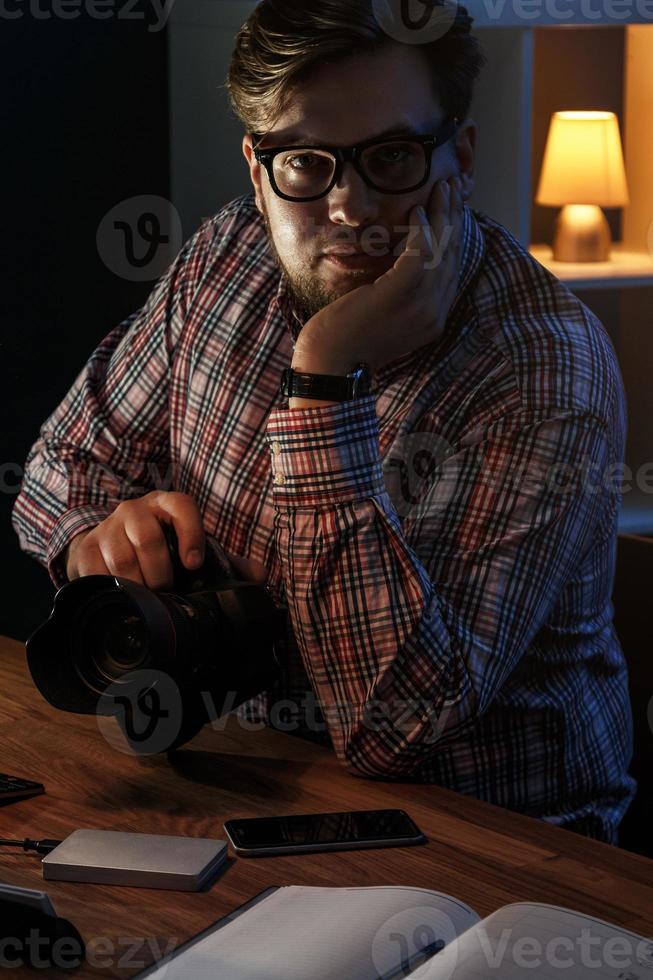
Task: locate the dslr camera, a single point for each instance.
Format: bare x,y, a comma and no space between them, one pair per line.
159,662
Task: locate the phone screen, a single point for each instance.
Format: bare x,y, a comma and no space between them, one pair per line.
357,826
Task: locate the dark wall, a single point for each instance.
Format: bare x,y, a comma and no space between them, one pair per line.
85,126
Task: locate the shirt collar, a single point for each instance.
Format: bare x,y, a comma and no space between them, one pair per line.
472,258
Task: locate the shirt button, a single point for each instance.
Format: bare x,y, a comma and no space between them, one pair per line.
276,448
279,478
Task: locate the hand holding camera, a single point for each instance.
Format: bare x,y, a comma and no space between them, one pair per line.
131,542
210,634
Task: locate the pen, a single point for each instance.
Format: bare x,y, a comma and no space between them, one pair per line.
421,956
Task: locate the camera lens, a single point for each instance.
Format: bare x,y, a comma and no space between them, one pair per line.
213,636
110,639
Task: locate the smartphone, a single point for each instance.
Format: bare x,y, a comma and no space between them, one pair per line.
16,788
303,832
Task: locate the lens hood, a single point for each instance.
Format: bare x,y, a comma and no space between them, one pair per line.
51,653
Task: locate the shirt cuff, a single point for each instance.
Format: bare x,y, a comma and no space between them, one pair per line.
325,454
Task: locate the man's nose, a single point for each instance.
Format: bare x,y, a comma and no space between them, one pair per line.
351,201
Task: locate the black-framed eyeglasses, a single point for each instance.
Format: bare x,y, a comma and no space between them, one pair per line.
394,165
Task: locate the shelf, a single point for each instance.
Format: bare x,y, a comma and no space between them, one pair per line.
636,514
624,269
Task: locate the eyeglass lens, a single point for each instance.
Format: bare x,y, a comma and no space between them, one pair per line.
392,166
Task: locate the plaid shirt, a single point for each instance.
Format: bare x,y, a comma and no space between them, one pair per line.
445,546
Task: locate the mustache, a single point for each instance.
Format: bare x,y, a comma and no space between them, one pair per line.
373,240
339,245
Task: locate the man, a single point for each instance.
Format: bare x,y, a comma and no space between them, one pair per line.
445,543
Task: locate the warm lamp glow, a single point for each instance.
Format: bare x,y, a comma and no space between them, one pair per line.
583,162
583,170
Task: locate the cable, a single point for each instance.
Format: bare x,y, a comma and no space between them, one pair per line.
40,846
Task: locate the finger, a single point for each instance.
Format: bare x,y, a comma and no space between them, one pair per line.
145,533
440,211
452,257
180,510
417,254
458,226
88,561
119,555
421,251
434,224
457,215
448,228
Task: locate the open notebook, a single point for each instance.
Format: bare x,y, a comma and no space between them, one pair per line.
384,933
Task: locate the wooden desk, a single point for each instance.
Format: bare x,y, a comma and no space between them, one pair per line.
485,855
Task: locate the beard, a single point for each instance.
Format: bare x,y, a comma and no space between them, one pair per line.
307,294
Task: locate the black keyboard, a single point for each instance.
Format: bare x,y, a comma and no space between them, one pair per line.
15,788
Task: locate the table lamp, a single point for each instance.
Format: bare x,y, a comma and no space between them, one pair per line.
583,170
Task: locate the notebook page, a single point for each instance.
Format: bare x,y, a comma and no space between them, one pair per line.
312,933
543,942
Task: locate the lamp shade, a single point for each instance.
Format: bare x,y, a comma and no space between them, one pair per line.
583,161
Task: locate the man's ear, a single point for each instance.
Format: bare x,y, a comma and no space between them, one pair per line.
254,169
465,147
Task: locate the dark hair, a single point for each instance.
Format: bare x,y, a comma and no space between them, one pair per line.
283,40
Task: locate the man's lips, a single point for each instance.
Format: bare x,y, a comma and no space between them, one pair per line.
344,250
358,260
354,250
348,257
351,257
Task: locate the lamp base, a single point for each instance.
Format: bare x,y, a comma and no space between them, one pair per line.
582,234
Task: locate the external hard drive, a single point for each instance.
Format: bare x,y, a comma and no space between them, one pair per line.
108,857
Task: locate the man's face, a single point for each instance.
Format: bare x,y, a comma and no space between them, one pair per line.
343,104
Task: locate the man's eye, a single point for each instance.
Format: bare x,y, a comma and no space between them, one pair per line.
303,161
391,154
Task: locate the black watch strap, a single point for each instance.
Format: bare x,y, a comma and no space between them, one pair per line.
330,387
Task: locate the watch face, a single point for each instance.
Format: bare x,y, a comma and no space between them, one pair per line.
363,380
284,387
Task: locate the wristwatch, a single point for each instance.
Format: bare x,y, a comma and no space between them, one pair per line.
330,387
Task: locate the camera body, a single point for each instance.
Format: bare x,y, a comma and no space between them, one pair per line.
114,647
